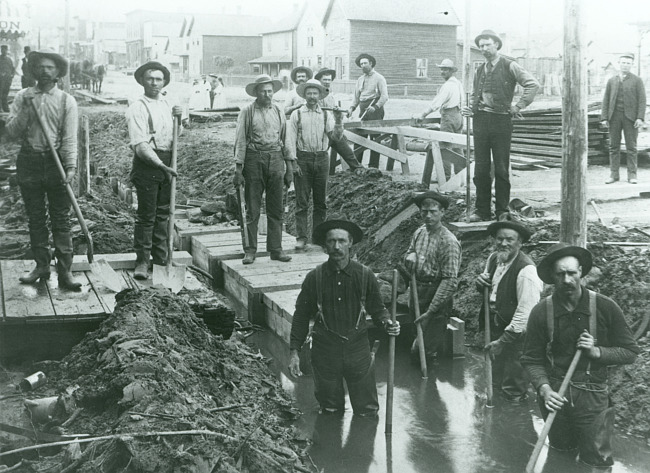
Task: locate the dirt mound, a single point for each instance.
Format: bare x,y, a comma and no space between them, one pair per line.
154,367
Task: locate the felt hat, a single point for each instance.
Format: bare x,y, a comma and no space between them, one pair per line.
325,70
320,232
419,199
139,72
34,58
489,34
305,69
447,64
523,230
560,250
313,84
370,58
628,55
262,79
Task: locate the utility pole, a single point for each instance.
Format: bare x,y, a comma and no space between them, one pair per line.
467,75
66,46
573,214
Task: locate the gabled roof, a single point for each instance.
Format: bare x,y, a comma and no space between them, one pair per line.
289,22
427,12
223,25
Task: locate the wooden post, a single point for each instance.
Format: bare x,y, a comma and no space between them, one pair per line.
573,224
467,74
84,157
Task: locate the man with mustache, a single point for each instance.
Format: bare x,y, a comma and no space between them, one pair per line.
575,318
37,174
434,255
337,295
293,101
511,278
150,123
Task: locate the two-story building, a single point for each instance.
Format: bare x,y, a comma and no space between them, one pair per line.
148,35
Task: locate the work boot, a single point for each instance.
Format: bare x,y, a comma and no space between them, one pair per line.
141,270
66,281
249,258
42,269
280,256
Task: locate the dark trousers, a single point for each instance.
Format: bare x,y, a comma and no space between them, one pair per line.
333,360
451,121
313,182
435,328
492,136
342,148
152,217
378,114
586,422
5,85
264,171
507,373
619,124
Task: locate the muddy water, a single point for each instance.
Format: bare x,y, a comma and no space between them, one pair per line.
439,425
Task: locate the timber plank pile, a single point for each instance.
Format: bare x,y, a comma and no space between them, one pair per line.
539,136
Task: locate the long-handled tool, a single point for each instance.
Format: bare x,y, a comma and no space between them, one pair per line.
99,268
530,466
170,276
391,358
372,104
488,360
468,159
242,208
418,327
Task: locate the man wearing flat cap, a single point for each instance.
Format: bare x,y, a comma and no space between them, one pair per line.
264,163
150,121
293,101
7,72
575,318
623,111
337,295
434,256
492,110
370,96
511,278
37,173
309,134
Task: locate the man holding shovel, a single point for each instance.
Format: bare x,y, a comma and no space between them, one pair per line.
37,173
572,319
150,121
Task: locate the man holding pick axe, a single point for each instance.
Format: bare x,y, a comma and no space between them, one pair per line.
434,256
573,319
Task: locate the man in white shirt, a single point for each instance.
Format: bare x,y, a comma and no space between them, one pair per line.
293,101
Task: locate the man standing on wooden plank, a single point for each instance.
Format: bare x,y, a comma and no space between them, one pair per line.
434,255
574,318
342,147
511,277
293,101
7,72
624,111
338,294
150,123
37,172
309,134
370,95
263,162
492,109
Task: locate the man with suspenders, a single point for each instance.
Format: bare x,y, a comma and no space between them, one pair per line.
575,318
337,295
150,123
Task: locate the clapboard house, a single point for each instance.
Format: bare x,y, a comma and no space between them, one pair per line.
407,38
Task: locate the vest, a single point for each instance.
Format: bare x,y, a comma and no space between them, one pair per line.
501,84
506,302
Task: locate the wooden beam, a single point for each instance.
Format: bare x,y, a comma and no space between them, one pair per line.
394,122
373,146
401,147
438,164
434,135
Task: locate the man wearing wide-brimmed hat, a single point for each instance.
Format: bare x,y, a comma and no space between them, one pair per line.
370,95
293,101
150,123
7,72
434,256
575,318
492,109
511,278
37,173
264,163
309,134
337,295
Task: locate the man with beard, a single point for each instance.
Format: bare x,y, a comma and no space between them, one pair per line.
575,318
338,294
37,172
293,101
151,125
7,72
434,256
511,278
309,134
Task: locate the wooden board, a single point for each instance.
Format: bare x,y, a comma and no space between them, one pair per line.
72,305
104,294
468,227
23,302
433,135
123,260
266,266
373,146
185,230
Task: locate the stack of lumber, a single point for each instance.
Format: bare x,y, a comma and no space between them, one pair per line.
228,114
539,136
7,168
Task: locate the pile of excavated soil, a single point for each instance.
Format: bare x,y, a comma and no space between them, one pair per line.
155,367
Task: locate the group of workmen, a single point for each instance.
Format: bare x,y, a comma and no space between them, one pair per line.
533,339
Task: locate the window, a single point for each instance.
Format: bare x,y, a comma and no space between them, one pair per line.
320,61
310,41
256,68
421,66
309,62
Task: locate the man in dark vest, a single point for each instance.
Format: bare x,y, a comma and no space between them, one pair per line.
492,109
27,79
511,279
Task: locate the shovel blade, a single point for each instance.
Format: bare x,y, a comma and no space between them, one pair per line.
107,275
171,277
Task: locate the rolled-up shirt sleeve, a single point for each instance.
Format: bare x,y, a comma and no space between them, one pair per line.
306,308
527,81
137,120
383,92
529,290
240,136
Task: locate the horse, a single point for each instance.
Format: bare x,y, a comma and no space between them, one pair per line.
99,71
